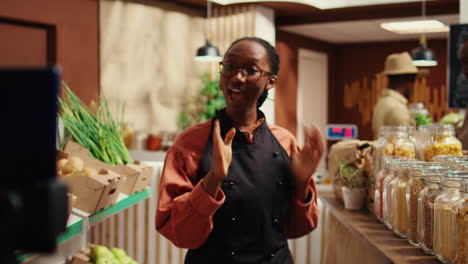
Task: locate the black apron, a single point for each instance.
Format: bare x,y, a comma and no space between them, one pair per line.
249,228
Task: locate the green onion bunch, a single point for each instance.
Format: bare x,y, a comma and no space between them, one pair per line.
97,131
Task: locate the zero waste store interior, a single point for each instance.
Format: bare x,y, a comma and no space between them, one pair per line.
130,83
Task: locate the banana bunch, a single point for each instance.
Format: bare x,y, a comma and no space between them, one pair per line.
102,255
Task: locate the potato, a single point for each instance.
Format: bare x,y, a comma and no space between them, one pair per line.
89,171
67,169
61,163
76,163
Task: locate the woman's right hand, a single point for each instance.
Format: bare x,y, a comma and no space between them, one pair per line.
221,159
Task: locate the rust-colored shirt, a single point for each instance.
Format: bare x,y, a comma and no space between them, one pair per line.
185,210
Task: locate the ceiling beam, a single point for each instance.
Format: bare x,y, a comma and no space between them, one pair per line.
440,7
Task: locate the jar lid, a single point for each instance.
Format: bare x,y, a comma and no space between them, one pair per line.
394,130
426,168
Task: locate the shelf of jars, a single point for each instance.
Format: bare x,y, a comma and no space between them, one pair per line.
421,188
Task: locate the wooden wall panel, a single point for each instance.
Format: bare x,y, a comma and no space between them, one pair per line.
354,83
22,45
358,85
77,37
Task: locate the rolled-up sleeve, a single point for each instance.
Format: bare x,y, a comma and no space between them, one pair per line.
185,211
303,216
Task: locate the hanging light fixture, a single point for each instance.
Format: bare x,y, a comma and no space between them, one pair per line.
422,55
208,52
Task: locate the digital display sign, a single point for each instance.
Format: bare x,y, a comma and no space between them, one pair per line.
338,132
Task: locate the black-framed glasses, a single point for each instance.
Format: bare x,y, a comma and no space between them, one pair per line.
251,72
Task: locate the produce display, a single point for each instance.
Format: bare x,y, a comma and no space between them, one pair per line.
96,130
422,120
102,255
66,167
451,118
99,254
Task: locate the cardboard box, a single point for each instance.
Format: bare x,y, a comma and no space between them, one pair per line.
138,176
71,202
96,191
82,257
135,177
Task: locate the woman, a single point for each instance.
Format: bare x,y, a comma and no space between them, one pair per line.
229,191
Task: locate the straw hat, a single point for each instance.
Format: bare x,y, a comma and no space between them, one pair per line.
399,63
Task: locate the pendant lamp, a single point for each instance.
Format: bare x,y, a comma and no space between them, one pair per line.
209,52
422,55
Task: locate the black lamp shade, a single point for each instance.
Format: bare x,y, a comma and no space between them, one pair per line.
422,56
208,53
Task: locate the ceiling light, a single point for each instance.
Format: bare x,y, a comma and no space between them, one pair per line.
412,27
422,55
208,52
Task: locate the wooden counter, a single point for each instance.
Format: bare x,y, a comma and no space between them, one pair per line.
372,235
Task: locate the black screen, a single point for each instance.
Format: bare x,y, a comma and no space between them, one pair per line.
28,133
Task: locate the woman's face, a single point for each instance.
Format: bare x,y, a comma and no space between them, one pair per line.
245,74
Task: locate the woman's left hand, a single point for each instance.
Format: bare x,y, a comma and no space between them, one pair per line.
305,161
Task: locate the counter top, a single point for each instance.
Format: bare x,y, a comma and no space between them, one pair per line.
374,235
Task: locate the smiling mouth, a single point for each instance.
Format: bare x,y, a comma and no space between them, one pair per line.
237,91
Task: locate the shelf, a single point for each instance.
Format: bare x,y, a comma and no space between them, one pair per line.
372,234
75,223
120,206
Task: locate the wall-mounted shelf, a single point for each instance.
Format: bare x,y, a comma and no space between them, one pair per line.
77,218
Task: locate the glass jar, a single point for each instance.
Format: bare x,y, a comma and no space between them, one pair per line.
379,184
426,201
387,197
462,226
445,206
413,188
445,143
418,109
393,141
424,138
388,183
398,192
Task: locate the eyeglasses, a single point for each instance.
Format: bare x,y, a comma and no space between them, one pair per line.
251,73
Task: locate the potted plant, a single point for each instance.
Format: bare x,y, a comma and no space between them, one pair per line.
354,184
204,106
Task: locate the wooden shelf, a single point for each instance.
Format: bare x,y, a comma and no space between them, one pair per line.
367,230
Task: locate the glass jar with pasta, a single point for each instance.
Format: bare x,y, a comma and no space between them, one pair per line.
393,141
445,143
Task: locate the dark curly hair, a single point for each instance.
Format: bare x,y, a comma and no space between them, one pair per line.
274,61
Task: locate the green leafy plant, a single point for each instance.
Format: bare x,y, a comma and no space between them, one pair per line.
351,176
209,99
423,120
96,130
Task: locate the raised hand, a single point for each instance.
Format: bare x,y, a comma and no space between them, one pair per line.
305,161
221,159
